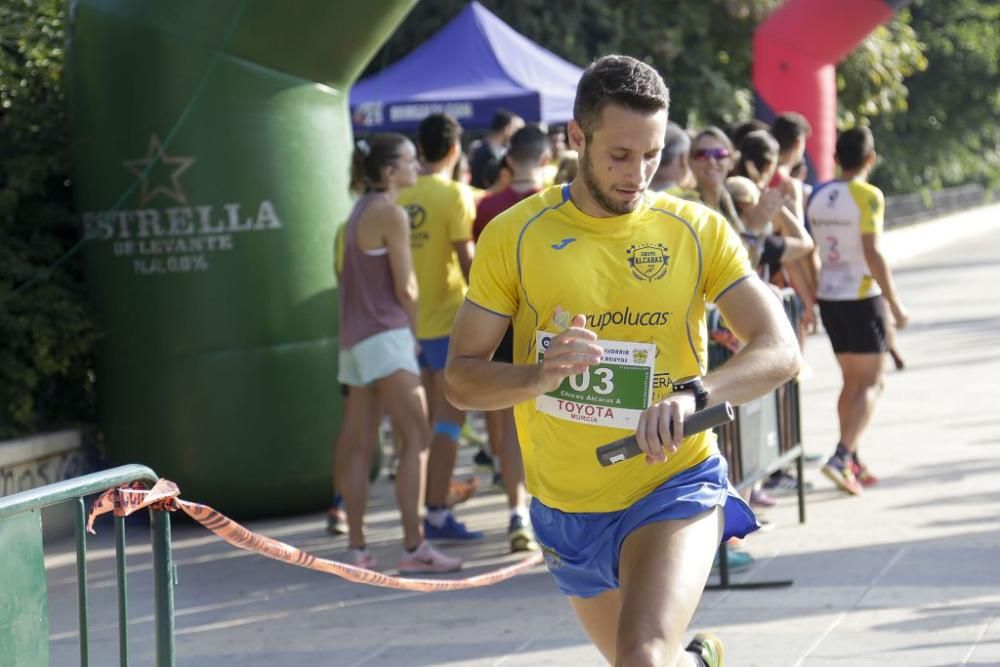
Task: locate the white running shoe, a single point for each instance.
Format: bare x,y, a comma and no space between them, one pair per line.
428,559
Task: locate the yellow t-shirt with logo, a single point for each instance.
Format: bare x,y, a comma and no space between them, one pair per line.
441,212
644,277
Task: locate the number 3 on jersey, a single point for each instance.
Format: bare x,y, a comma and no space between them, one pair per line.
833,254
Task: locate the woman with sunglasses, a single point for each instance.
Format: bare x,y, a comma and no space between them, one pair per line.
712,158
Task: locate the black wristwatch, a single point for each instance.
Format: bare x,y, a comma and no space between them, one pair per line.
696,387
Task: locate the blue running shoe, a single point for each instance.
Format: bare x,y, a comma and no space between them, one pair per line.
452,530
737,561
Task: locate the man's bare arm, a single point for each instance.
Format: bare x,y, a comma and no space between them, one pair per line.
798,243
770,358
881,273
771,355
474,382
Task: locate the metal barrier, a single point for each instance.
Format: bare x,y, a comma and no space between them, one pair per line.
24,620
901,210
765,437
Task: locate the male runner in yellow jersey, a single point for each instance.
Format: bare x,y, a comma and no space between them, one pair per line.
441,211
606,284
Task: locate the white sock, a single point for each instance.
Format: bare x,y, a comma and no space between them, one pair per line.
437,517
519,511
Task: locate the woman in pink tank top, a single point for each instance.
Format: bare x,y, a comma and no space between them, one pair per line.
377,311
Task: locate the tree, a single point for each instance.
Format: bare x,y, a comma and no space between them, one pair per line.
872,80
949,133
47,354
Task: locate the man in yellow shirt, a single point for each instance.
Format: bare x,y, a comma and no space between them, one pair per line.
606,284
441,211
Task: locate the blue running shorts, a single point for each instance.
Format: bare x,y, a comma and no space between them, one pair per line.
433,353
582,548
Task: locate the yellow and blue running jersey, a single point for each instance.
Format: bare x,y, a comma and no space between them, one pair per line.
840,212
642,280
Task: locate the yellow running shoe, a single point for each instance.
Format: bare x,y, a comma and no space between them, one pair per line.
520,536
709,648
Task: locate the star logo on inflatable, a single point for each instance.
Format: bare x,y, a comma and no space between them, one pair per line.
158,169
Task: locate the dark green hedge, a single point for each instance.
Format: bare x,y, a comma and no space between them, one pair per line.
47,333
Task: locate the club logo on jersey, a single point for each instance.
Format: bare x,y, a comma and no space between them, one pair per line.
648,261
418,216
419,235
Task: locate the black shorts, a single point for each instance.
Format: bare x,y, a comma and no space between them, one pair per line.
770,255
855,326
505,350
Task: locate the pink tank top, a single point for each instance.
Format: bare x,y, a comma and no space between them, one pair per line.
368,303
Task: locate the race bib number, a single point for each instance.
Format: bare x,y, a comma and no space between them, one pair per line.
612,393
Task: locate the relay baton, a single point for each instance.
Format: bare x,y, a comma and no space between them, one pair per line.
626,448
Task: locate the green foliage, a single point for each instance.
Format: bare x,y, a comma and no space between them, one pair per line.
950,132
47,332
871,81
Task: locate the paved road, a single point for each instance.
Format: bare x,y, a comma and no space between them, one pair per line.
908,574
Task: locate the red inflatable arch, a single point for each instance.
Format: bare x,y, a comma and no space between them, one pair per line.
795,52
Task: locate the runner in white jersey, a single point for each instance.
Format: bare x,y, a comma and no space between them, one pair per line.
847,217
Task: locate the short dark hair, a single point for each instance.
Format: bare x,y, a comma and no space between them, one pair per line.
437,134
528,145
789,127
854,146
676,142
758,148
620,80
740,130
501,119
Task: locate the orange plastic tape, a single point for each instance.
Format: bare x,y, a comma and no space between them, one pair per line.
166,496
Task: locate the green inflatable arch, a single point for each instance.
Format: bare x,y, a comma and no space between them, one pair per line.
211,144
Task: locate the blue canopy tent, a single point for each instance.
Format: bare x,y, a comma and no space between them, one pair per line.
473,66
